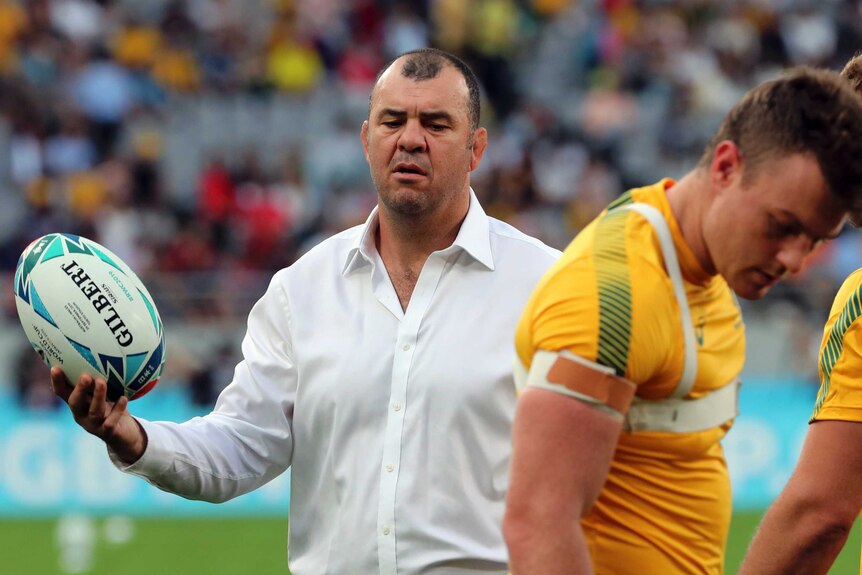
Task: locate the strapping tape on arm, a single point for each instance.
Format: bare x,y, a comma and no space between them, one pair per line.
566,373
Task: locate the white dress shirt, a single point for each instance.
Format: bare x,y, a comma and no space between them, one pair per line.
396,424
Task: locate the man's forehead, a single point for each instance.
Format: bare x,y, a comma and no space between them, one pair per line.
448,87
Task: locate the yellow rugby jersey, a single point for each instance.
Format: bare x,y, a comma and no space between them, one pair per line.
840,364
666,505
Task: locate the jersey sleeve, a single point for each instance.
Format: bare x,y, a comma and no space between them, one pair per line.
619,313
840,362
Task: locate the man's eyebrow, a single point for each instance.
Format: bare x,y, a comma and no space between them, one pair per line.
393,112
797,224
436,115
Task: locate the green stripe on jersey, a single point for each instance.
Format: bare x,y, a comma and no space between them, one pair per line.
625,198
615,291
835,344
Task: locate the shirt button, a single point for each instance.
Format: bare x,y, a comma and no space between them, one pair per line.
390,468
386,531
397,407
405,347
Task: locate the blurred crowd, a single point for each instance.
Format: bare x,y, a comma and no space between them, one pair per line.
209,142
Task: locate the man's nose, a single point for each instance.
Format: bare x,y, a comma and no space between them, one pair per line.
793,253
412,138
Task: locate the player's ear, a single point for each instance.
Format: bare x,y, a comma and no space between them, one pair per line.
726,166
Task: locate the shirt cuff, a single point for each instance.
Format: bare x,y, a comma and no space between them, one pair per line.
158,455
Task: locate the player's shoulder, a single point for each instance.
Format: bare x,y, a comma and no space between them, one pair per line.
610,260
849,296
852,283
616,239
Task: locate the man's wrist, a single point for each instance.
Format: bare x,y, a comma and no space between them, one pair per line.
130,454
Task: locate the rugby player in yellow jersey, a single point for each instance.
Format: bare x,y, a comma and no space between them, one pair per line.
631,345
808,524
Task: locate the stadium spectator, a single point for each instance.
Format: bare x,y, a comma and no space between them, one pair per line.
104,92
216,202
292,62
13,23
69,150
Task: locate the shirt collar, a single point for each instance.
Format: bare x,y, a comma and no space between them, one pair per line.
473,238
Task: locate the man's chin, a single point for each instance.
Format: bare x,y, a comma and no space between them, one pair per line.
751,290
752,294
405,203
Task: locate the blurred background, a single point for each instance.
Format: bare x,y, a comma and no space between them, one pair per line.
211,142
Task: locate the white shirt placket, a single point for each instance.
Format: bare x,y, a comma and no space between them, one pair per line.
405,349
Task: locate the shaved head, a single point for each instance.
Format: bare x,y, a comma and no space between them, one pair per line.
425,64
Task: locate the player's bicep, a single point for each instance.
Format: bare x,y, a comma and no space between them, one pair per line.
562,451
828,475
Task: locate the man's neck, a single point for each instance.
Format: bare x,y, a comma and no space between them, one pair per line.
688,199
405,243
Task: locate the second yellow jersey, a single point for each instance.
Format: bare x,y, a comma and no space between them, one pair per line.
666,505
840,364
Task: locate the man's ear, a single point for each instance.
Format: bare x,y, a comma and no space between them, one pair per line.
477,149
726,166
363,136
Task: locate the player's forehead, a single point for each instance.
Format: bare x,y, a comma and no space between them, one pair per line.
793,190
446,91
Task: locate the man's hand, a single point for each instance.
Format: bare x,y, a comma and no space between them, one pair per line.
110,422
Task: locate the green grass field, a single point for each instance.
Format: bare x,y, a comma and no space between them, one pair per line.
235,547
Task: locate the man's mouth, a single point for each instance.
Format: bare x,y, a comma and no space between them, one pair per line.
407,169
768,278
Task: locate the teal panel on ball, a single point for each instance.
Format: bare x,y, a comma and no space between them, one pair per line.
54,249
30,262
152,311
85,353
152,369
133,365
75,245
19,285
39,307
105,258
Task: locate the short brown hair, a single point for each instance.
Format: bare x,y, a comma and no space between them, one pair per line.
852,73
807,111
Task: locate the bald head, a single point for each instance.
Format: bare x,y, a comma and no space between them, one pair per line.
426,64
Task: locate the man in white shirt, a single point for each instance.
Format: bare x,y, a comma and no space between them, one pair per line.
377,367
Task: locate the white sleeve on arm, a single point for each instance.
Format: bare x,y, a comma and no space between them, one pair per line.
247,439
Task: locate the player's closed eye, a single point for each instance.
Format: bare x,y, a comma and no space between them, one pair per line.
778,229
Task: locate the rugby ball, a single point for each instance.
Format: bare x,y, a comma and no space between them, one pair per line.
86,311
